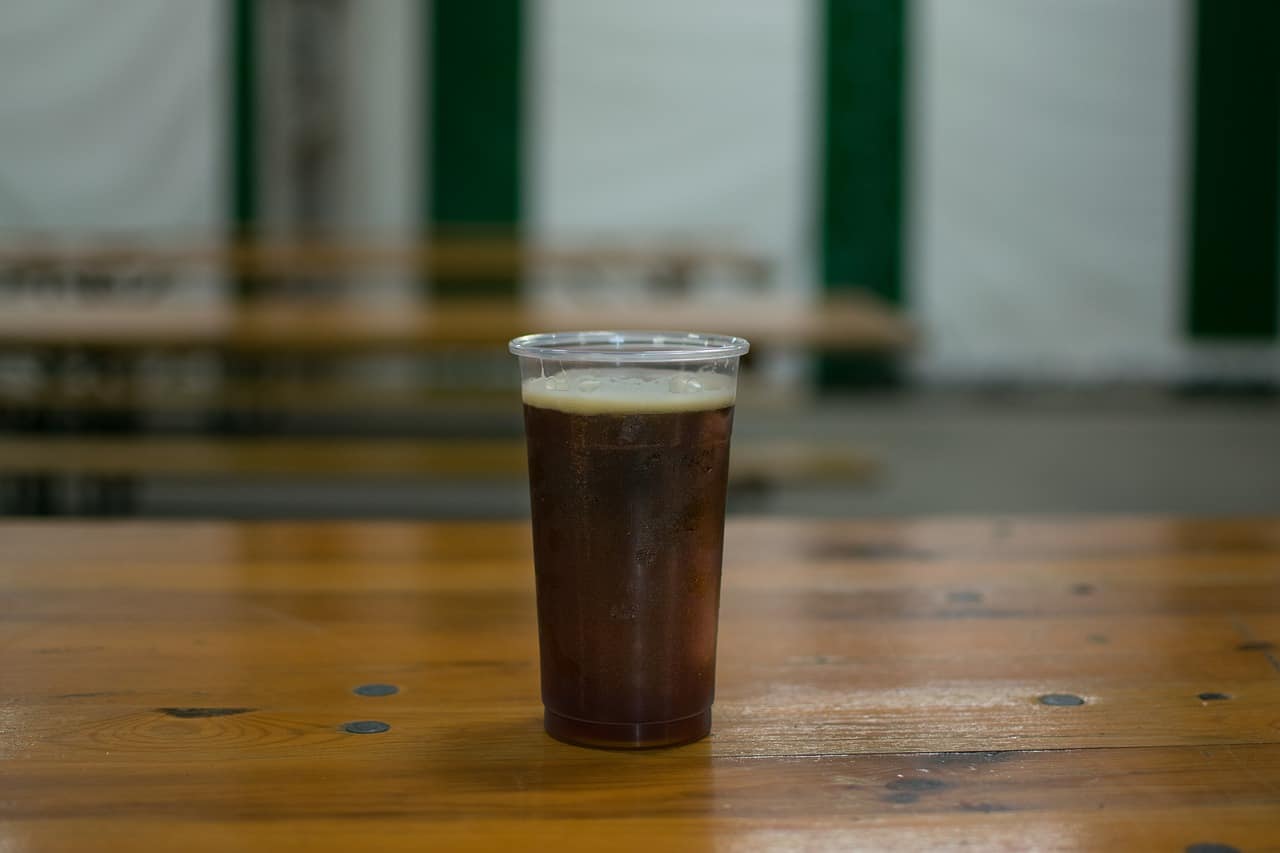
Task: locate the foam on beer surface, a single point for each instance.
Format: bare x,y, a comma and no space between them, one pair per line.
621,391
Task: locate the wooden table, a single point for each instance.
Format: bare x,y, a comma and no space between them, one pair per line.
1002,684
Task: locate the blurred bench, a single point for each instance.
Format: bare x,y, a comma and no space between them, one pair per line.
855,323
103,473
461,257
333,396
752,459
285,358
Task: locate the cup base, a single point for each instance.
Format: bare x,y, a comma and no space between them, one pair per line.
628,735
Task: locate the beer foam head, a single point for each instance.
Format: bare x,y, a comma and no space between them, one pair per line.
629,390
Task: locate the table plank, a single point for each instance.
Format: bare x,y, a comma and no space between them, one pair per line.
879,687
1250,828
556,783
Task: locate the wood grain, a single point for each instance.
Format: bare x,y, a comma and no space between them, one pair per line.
879,688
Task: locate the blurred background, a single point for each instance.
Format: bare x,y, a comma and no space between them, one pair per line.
261,258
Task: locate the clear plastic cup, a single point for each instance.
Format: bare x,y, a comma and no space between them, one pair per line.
628,439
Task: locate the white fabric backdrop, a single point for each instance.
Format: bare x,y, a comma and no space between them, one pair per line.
1050,164
678,119
1047,162
1049,149
111,115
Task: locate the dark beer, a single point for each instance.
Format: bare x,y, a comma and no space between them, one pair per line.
628,527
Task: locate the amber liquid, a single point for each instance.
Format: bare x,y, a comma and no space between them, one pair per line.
628,529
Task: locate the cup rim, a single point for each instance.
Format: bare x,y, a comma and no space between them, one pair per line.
628,346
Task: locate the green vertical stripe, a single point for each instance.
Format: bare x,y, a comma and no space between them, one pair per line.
862,157
243,204
862,136
244,107
1232,290
475,139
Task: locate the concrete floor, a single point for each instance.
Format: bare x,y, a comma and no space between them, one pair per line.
935,453
1074,454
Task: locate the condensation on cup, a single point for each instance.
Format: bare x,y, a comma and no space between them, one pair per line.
628,441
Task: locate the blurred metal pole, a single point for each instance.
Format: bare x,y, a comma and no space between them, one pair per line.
302,84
